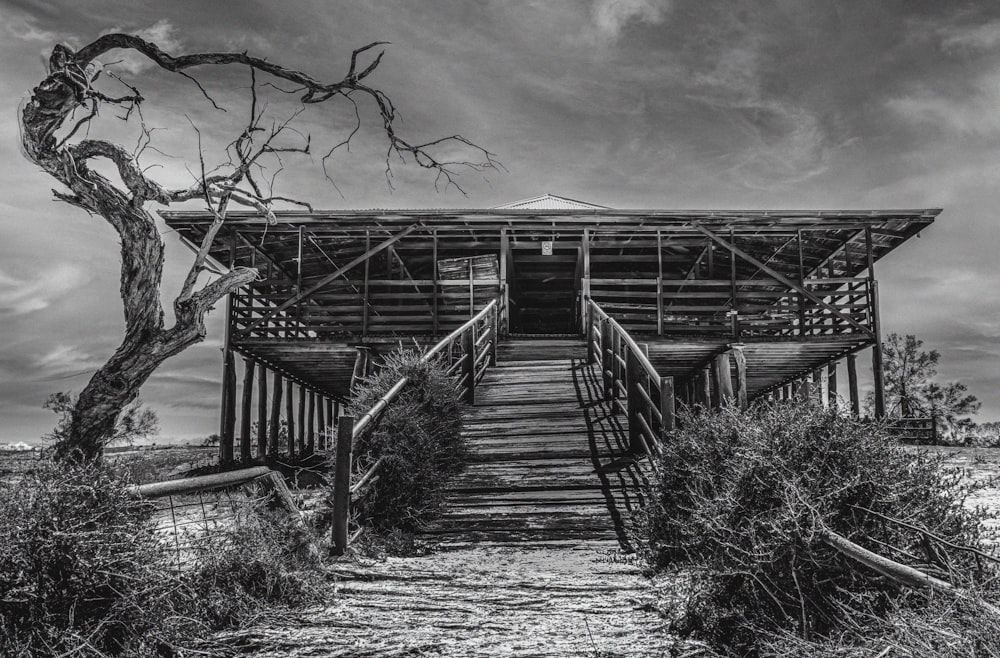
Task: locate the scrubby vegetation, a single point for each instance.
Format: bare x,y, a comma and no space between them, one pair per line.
743,503
82,572
418,437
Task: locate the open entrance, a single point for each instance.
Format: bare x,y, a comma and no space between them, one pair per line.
544,287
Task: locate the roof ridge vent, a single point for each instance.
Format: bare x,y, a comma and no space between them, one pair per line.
550,202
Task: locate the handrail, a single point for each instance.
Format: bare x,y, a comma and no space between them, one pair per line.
627,373
474,353
391,394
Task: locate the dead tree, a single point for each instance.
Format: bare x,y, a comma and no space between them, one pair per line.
49,125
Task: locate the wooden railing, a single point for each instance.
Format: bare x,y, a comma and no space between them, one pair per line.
914,430
631,383
467,352
761,307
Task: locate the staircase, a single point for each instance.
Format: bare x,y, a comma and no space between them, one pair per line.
538,434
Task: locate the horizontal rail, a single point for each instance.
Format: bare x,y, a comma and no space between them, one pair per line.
199,483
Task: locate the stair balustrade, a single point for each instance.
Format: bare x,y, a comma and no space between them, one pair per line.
467,352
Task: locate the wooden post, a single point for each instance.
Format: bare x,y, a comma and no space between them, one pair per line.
724,379
589,319
290,417
261,411
342,483
632,401
361,364
434,274
494,334
364,308
606,359
852,384
298,280
311,424
878,367
831,383
667,404
469,364
735,317
817,388
275,426
659,283
302,420
740,360
321,412
702,392
801,298
805,388
228,407
246,410
331,420
472,292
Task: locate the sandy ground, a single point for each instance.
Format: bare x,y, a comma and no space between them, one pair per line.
491,601
979,465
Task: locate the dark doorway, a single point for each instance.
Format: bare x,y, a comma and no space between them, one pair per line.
544,294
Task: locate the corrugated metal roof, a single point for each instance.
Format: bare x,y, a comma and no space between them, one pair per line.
550,202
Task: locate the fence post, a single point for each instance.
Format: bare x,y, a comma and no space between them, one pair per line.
632,401
606,357
589,319
667,404
469,364
342,483
495,331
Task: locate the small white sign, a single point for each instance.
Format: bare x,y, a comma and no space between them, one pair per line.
547,248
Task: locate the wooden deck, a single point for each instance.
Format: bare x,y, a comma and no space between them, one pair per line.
539,434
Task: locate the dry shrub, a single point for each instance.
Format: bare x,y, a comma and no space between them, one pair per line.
83,572
740,501
419,437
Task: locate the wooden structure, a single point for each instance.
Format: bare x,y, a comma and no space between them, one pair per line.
728,304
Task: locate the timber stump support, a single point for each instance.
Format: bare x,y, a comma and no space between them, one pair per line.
342,483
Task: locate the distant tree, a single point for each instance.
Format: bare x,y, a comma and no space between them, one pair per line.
61,110
908,370
211,440
948,402
910,391
135,422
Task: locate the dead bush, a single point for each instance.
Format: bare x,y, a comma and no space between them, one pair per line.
742,503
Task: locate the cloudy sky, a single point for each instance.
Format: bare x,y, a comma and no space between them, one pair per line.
625,103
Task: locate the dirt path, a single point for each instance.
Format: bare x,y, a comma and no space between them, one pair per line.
491,601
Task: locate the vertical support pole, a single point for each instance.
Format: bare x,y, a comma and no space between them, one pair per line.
589,320
342,483
290,417
702,392
735,317
724,379
361,364
504,287
878,367
302,420
667,405
659,283
632,400
228,407
368,261
472,292
469,364
275,425
817,388
246,411
298,280
831,383
802,274
740,361
321,424
311,424
331,420
227,420
585,284
494,334
607,359
434,275
261,411
852,384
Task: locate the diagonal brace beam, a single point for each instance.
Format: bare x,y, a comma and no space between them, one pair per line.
784,280
332,276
